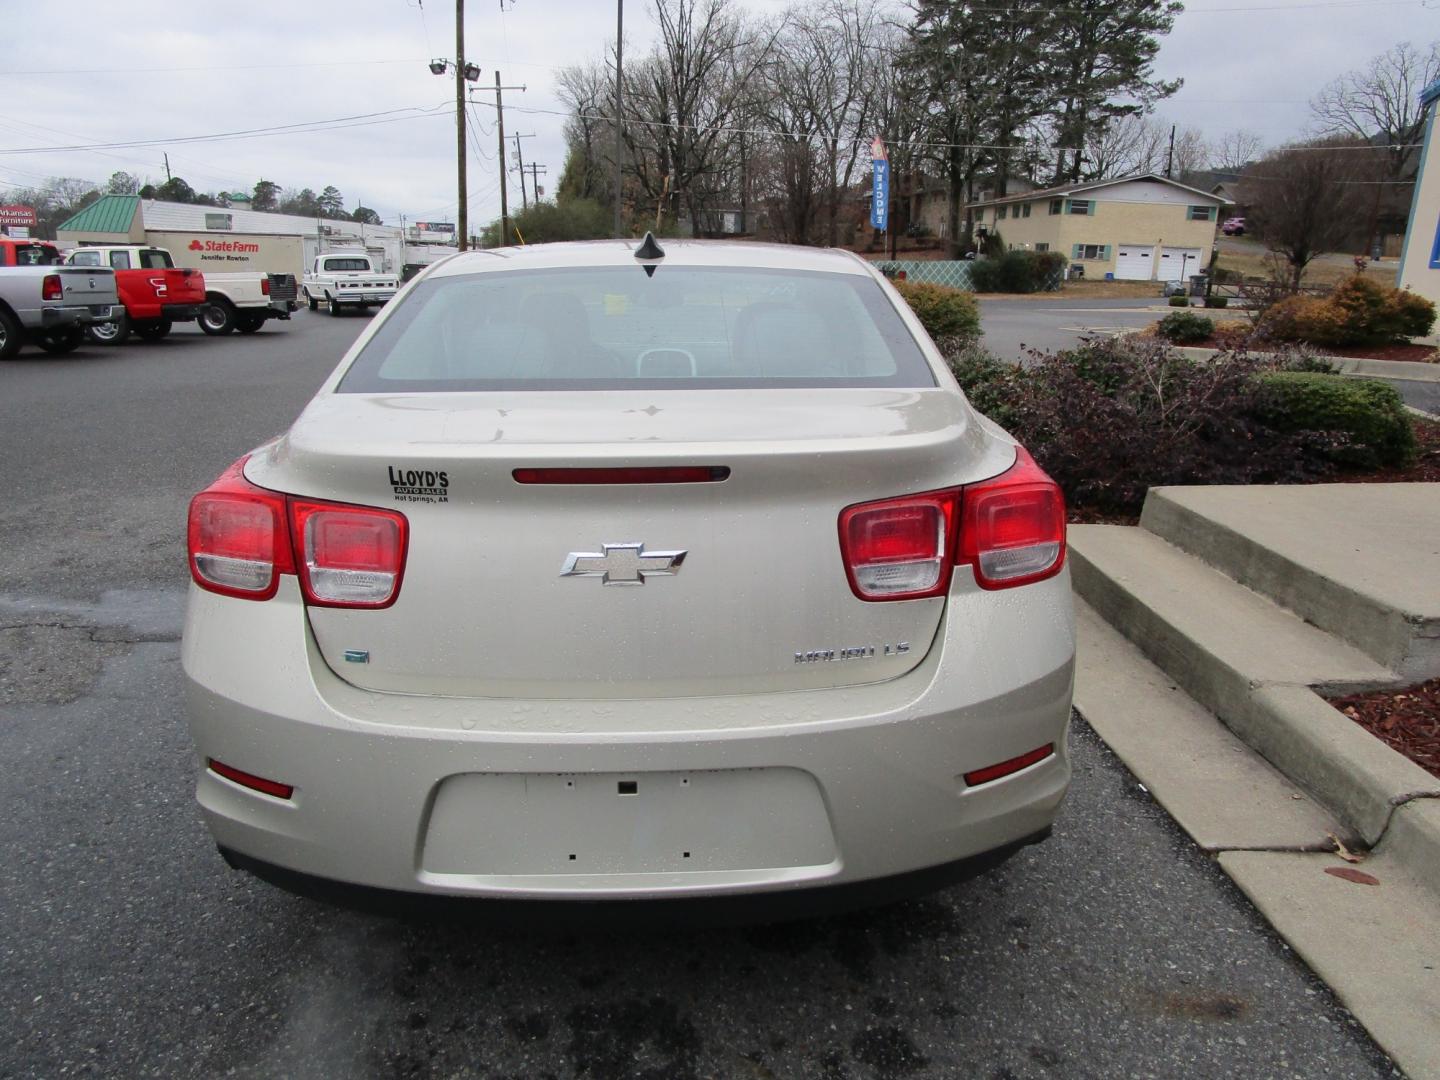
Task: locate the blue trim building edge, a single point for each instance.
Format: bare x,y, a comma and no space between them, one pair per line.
1428,97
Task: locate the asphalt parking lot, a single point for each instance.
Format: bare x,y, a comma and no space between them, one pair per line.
128,949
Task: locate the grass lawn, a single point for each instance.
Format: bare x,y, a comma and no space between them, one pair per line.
1251,260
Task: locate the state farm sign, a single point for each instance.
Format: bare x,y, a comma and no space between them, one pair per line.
18,215
218,254
219,249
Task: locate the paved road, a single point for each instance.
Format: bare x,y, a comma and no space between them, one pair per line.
1011,327
128,950
1424,396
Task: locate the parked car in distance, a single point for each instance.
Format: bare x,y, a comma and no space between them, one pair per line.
604,573
1234,226
46,303
341,279
154,293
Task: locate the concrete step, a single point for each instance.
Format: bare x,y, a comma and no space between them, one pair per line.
1361,561
1252,663
1224,794
1212,635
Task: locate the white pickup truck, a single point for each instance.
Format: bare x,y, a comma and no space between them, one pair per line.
340,279
242,301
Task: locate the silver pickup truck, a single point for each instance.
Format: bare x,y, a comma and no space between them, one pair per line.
46,303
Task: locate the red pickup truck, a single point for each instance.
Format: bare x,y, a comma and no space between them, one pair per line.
152,290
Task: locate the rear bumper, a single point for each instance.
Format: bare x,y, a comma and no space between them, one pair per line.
363,296
181,312
54,318
797,903
429,795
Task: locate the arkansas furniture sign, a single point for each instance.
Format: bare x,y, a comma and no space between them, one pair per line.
18,215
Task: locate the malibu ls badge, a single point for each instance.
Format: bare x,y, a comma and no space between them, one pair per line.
622,564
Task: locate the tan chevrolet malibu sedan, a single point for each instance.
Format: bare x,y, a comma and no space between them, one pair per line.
604,571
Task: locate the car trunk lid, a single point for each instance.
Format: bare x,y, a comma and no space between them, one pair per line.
759,601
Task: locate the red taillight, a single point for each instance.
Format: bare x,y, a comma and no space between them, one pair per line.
265,286
1006,768
250,780
899,549
243,537
238,538
350,556
51,288
1012,528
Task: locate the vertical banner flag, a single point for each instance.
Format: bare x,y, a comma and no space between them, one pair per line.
880,195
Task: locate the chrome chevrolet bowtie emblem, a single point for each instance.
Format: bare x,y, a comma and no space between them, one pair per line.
622,564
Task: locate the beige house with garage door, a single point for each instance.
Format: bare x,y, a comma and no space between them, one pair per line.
1132,228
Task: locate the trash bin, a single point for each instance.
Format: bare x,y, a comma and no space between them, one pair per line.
1109,275
1198,283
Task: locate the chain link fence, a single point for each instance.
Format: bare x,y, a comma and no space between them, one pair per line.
952,272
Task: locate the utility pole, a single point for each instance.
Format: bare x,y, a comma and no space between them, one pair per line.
460,155
500,157
1170,157
520,166
534,171
167,168
619,112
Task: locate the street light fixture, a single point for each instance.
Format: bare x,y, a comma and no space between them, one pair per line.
464,72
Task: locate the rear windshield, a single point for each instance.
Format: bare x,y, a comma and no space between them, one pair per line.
34,255
615,328
347,264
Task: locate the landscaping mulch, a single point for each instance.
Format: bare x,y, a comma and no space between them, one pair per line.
1424,354
1406,720
1425,470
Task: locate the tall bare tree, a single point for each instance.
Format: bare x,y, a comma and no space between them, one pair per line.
588,91
1233,150
1381,104
682,101
1303,200
1141,144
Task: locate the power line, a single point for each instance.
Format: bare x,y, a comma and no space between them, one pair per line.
336,123
206,171
866,138
206,67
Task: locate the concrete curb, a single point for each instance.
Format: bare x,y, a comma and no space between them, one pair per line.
1408,370
1353,773
1349,771
1413,838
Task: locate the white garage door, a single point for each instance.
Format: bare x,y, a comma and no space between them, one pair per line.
1177,264
1134,262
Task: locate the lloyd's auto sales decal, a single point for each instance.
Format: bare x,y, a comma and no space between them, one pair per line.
419,485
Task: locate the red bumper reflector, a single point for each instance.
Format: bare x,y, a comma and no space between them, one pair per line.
1005,768
653,474
245,779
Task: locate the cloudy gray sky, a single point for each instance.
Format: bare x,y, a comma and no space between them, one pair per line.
86,71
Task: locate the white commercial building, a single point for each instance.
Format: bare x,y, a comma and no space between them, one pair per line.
226,239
